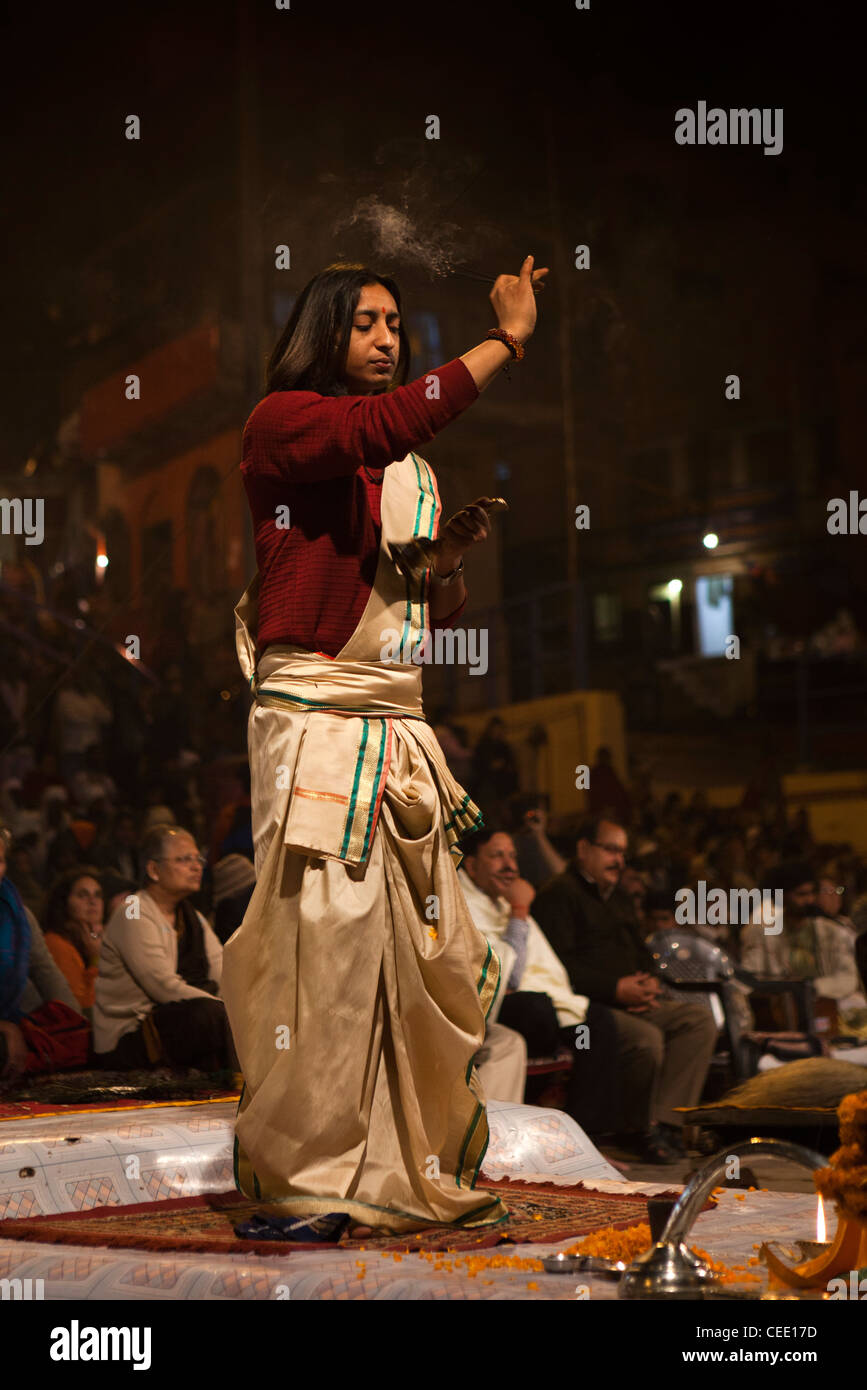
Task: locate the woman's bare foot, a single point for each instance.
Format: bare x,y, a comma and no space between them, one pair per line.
361,1232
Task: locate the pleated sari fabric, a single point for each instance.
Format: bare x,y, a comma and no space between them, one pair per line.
357,986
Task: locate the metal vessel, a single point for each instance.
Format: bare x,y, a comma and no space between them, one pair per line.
669,1269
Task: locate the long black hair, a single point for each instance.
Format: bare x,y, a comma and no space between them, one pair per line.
311,352
55,913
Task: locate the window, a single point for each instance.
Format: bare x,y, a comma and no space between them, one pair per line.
714,614
607,617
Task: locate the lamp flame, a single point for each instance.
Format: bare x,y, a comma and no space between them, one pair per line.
821,1235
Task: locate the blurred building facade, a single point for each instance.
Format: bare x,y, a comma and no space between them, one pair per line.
674,304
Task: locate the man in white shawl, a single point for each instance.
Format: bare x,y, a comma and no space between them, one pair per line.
537,999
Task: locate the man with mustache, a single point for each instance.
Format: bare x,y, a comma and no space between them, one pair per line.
664,1044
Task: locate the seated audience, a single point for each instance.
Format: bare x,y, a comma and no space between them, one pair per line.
501,1061
160,967
452,740
41,779
118,850
156,816
73,925
811,947
234,881
664,1046
861,958
537,1000
683,954
71,845
78,717
33,994
731,864
23,856
635,882
116,889
92,783
606,792
830,899
233,827
494,772
538,860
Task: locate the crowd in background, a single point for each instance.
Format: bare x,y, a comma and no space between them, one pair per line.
122,778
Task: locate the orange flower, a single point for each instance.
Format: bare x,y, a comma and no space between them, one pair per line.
475,1264
611,1244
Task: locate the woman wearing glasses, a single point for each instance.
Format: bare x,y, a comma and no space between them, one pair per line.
156,999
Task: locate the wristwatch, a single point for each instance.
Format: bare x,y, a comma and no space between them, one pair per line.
451,576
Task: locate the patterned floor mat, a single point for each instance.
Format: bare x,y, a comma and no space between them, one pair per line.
536,1213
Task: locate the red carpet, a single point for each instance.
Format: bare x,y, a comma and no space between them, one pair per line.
32,1109
537,1213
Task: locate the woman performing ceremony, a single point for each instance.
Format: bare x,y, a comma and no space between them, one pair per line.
357,986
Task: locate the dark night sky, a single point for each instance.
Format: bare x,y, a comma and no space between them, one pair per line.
74,72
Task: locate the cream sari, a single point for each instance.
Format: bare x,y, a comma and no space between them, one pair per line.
357,986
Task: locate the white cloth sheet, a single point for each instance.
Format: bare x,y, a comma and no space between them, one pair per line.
120,1157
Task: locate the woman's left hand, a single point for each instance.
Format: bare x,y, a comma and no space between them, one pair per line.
466,528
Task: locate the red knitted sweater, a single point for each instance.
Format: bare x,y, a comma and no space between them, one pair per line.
324,458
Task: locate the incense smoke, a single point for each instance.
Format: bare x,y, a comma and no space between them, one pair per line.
397,236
